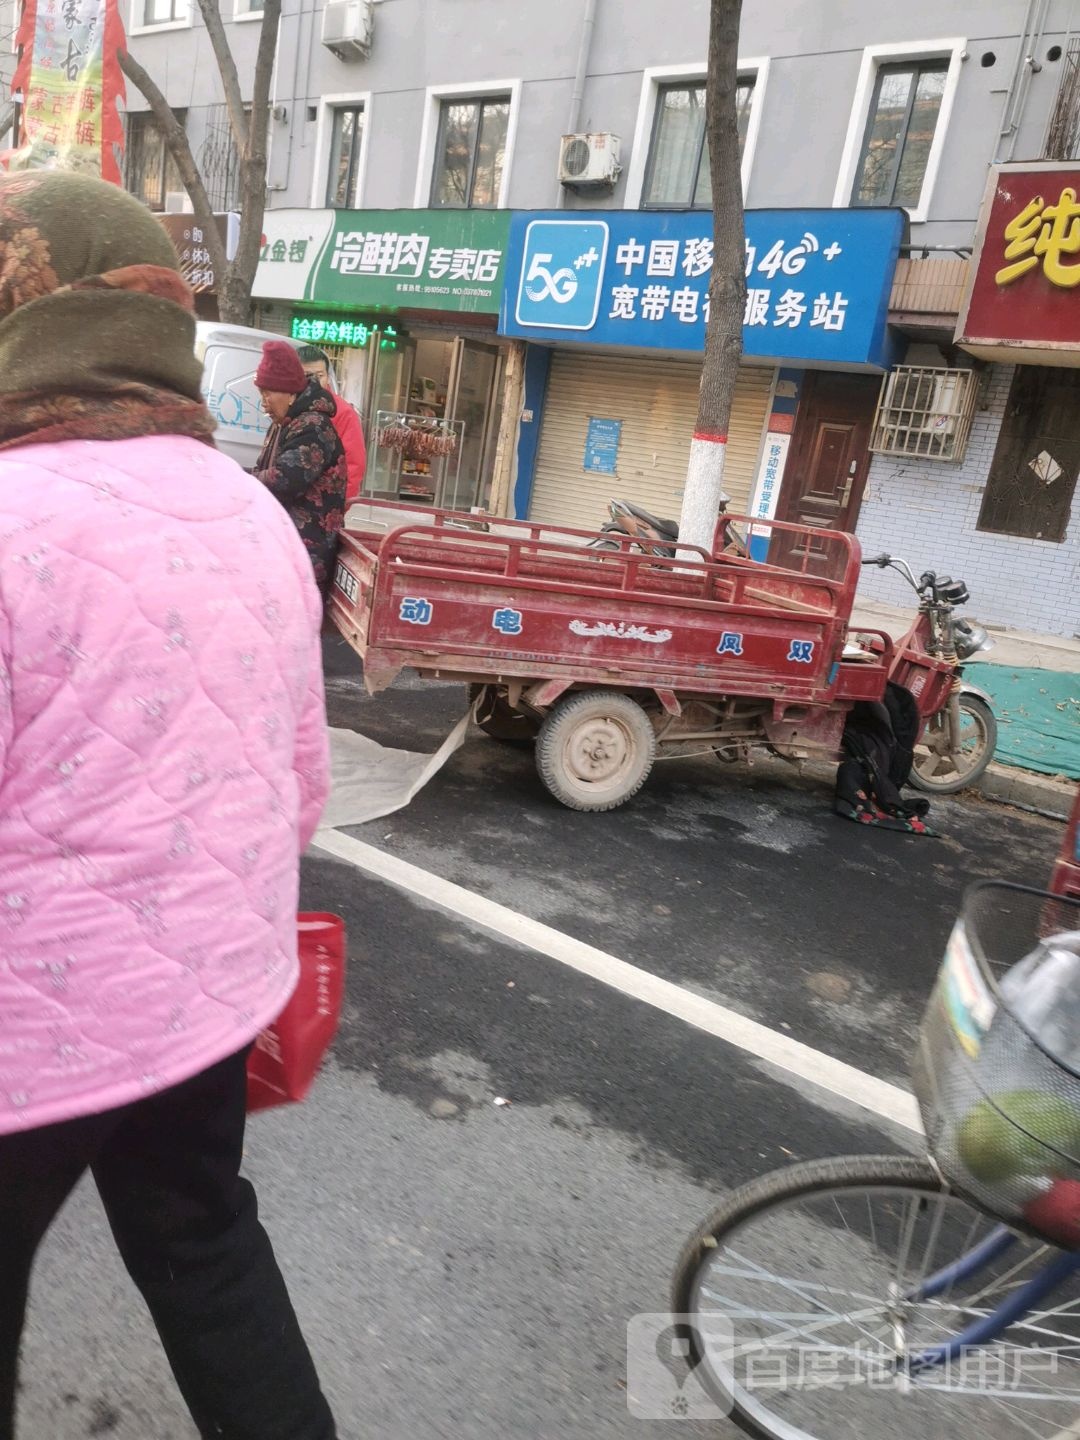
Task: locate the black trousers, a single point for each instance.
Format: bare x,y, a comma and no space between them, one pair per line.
187,1226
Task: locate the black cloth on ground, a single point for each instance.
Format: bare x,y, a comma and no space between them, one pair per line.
879,749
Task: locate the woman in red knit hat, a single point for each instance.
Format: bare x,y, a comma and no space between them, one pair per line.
302,461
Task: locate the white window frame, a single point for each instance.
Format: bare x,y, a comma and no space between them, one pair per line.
324,134
138,8
434,96
652,82
873,58
243,16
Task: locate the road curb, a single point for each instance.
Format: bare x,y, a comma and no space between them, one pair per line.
1046,793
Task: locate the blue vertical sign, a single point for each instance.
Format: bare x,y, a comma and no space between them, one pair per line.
818,281
602,446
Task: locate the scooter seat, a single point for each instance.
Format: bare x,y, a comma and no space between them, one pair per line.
667,528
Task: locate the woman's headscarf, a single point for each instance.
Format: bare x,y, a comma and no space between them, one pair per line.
97,330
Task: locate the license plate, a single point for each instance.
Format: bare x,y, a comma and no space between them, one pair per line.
345,581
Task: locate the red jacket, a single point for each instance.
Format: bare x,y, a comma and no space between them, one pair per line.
351,434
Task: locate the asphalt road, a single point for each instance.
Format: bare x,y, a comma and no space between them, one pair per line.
467,1268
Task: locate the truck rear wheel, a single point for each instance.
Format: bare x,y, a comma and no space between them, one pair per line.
595,750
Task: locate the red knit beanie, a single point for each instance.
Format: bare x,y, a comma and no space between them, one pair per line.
280,369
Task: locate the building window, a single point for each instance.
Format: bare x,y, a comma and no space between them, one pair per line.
219,160
900,129
162,12
346,146
470,152
677,175
1029,491
925,413
150,172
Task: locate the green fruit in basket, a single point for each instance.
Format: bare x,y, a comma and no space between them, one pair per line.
1009,1137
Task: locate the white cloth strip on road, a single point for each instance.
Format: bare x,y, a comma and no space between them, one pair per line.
773,1046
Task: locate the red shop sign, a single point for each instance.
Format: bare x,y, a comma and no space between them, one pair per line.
1024,287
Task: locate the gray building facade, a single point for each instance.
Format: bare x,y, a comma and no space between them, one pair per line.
814,63
426,105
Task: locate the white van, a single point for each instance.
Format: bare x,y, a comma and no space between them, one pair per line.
230,355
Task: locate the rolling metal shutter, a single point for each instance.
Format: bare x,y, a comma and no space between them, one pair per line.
656,400
274,318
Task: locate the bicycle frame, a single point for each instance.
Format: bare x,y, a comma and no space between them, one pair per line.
988,1328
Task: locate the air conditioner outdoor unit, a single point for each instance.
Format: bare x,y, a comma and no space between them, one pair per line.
943,412
589,160
178,202
347,28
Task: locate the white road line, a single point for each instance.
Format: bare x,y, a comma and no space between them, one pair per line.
866,1091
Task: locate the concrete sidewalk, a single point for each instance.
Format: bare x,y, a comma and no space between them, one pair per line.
1011,647
1005,783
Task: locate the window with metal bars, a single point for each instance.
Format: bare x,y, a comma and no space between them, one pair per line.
219,161
1063,131
925,413
1029,490
150,172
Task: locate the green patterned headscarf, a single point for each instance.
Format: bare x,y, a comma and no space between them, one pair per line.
97,331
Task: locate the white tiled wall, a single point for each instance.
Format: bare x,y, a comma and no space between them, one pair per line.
927,512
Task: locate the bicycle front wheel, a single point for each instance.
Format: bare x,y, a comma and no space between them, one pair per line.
819,1297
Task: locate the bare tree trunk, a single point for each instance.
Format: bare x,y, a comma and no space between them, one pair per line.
250,129
235,294
727,286
176,141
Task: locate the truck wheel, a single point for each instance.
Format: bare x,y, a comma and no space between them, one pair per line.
936,772
498,719
595,750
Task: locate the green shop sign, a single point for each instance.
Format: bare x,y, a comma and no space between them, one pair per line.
385,259
332,330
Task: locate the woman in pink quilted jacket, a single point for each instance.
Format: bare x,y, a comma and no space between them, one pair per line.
163,762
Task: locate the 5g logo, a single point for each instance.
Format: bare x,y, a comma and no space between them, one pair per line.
540,282
562,274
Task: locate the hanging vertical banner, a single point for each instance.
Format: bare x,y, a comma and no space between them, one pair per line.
774,456
67,82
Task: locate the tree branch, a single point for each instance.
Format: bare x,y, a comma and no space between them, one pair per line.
230,80
264,74
249,132
176,141
253,163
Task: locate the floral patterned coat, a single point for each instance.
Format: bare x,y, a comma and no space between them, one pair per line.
303,465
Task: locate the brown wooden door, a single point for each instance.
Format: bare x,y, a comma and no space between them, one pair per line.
826,470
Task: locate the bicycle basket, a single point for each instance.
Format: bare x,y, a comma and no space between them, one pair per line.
1000,1104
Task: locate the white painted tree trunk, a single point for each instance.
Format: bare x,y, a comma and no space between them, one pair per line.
704,491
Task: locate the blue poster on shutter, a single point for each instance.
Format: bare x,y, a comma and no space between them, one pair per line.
818,281
602,446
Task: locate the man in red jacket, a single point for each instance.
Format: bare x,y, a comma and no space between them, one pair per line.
345,419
